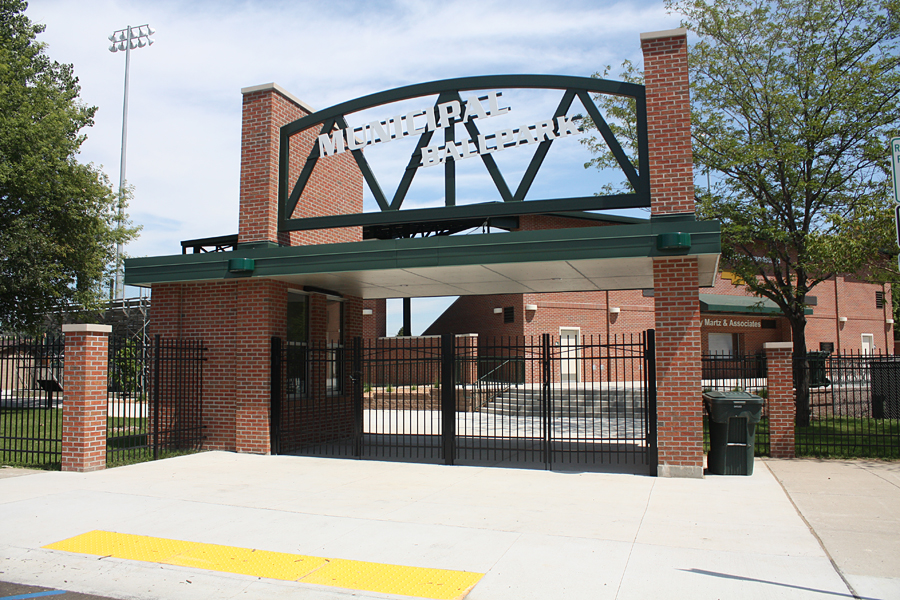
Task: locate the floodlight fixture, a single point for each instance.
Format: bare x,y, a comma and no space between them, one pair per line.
125,40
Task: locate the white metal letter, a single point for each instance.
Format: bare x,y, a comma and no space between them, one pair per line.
527,135
483,140
380,130
495,110
565,126
353,142
474,109
331,143
431,156
505,137
544,130
451,150
447,111
411,128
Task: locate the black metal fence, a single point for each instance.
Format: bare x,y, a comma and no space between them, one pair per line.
854,402
542,400
745,373
154,399
31,372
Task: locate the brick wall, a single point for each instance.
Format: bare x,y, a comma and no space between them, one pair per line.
236,320
475,314
375,325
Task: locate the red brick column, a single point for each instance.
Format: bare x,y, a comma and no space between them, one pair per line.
265,109
675,279
781,399
678,389
84,397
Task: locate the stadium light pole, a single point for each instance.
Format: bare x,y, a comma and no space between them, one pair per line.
126,40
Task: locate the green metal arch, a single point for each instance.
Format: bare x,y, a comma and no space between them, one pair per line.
580,87
460,84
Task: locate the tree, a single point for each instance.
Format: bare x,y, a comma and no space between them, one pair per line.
58,218
793,106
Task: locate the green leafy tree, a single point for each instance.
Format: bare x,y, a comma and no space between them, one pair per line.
794,103
58,218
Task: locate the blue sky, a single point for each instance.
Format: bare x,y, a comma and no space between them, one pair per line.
185,103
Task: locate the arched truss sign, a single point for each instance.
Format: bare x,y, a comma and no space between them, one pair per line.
456,104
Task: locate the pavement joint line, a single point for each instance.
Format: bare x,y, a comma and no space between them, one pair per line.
834,565
420,582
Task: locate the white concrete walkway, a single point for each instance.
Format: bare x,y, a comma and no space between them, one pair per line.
535,534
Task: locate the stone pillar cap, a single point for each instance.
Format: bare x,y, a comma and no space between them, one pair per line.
655,35
86,328
274,86
778,345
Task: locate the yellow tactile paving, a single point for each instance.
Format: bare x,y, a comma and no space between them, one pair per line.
439,584
395,579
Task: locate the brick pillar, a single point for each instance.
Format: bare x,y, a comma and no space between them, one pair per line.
781,398
265,109
84,397
675,279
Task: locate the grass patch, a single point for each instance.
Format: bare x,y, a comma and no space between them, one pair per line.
844,437
41,448
834,438
31,437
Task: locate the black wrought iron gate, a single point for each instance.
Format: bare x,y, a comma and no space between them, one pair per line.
549,401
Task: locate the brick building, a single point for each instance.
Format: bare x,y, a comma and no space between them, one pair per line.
303,269
846,314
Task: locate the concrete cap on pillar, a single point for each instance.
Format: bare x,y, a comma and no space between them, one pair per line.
778,345
655,35
274,86
86,328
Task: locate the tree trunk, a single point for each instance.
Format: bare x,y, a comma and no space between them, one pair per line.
801,370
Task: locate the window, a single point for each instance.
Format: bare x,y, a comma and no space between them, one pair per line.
879,299
721,345
826,346
297,354
334,339
509,314
298,318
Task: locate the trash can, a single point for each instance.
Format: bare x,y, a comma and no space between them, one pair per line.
732,431
885,388
816,361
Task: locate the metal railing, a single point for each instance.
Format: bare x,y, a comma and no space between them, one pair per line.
444,399
854,406
745,373
154,399
31,371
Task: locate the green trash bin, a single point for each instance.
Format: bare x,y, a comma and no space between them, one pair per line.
816,362
732,431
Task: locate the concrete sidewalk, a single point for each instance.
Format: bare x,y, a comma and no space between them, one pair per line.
535,534
853,506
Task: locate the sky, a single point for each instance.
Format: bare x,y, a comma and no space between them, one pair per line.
184,110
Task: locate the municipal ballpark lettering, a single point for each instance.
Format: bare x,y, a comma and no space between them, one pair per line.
417,122
730,323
